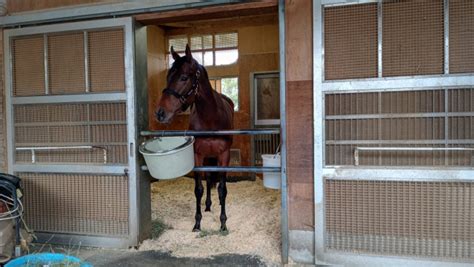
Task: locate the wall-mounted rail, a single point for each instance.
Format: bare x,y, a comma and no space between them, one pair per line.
357,149
43,148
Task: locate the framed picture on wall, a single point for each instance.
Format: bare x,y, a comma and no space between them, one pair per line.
266,87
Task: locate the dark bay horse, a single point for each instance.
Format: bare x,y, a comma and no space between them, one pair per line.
188,86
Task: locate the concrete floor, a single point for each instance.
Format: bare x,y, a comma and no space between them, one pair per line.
124,258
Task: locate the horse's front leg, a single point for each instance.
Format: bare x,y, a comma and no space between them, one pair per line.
224,159
198,192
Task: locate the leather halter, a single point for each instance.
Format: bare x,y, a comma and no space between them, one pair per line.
183,98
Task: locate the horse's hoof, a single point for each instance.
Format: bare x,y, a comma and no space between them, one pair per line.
196,230
224,229
208,209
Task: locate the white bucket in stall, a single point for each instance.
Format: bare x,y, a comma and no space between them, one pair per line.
271,179
168,157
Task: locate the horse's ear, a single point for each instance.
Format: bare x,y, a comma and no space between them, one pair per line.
174,54
188,53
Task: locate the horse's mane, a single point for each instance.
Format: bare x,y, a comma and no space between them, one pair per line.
206,76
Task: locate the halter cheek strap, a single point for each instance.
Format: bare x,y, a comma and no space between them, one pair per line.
183,98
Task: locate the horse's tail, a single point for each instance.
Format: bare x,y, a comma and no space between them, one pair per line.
214,178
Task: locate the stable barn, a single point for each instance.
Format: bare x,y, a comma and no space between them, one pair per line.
375,113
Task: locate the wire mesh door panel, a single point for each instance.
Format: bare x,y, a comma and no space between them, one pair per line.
71,118
69,63
393,176
422,219
90,133
76,203
411,122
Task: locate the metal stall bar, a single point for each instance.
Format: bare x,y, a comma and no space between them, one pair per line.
159,134
284,189
318,135
357,149
231,169
207,133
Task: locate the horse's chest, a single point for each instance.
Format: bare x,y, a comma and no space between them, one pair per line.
210,147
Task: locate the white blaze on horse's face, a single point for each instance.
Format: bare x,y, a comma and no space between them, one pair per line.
175,96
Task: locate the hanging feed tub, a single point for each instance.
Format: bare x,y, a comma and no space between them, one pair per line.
270,179
168,157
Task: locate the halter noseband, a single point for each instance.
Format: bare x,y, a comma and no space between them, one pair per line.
183,98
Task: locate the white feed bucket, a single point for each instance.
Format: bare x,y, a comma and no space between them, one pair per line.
168,157
271,179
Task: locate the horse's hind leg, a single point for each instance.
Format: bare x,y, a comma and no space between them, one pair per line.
208,192
198,192
222,195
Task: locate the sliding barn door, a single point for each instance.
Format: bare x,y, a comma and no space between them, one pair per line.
394,128
72,130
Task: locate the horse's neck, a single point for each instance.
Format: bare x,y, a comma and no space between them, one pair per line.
205,109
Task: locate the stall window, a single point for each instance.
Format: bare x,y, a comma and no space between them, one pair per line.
209,50
228,86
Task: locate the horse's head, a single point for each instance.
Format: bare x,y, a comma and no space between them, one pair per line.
182,86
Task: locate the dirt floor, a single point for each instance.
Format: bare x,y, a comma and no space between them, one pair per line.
253,214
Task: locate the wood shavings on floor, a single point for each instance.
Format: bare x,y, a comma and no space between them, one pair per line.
253,220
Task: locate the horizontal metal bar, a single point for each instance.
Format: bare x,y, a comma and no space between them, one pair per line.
415,148
212,133
42,148
330,3
398,115
70,168
401,142
255,169
56,147
52,99
68,123
412,173
73,144
414,83
357,149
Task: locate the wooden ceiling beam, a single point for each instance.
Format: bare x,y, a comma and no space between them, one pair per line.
212,12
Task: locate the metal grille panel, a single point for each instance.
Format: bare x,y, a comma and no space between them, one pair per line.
413,34
66,63
265,144
100,125
107,61
400,119
76,204
226,40
425,219
350,41
461,36
28,66
178,43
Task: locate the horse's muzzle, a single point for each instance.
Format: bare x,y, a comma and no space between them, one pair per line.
160,115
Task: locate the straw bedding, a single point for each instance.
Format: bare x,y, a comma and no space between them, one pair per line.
253,220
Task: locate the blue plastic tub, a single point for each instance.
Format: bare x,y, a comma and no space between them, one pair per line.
45,259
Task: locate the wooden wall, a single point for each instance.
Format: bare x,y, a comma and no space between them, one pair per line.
299,108
15,6
258,51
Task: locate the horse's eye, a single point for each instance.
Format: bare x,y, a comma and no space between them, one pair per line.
184,78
